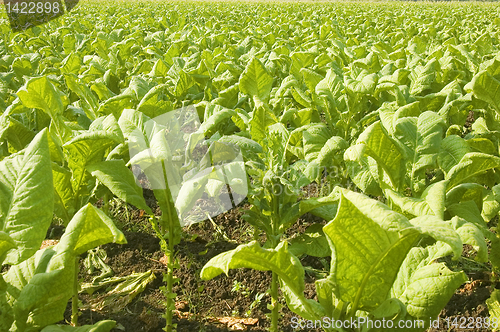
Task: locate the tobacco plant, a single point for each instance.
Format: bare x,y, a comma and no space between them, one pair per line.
180,168
376,267
37,284
275,179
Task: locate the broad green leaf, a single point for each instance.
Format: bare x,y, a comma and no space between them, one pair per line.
384,150
262,118
466,192
253,256
217,120
18,135
487,87
423,286
90,147
120,180
89,228
155,102
370,243
312,242
452,150
255,81
115,105
440,230
278,260
362,169
131,122
467,210
364,86
435,196
26,197
472,164
422,138
64,202
39,288
40,93
83,91
409,205
314,139
245,144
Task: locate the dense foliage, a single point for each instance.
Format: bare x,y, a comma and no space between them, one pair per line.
391,109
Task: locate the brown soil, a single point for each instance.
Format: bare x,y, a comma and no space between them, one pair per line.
205,305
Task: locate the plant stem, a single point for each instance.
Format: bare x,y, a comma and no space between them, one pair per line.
170,254
274,281
170,276
74,301
274,303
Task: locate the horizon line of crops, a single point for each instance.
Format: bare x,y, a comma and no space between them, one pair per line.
380,93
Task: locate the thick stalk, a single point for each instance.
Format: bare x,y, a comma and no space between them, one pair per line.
74,301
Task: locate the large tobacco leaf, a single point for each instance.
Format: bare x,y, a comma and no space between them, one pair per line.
26,198
37,290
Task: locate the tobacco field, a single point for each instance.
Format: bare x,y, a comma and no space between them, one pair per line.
258,166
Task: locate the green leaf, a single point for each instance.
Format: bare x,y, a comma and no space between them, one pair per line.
384,150
90,147
262,118
218,119
472,235
440,230
255,81
83,91
115,105
422,138
472,164
89,228
363,86
452,150
245,144
466,192
39,288
423,286
409,205
253,256
26,197
115,175
40,93
6,243
314,139
279,260
155,102
370,243
493,304
487,87
362,169
64,203
312,242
